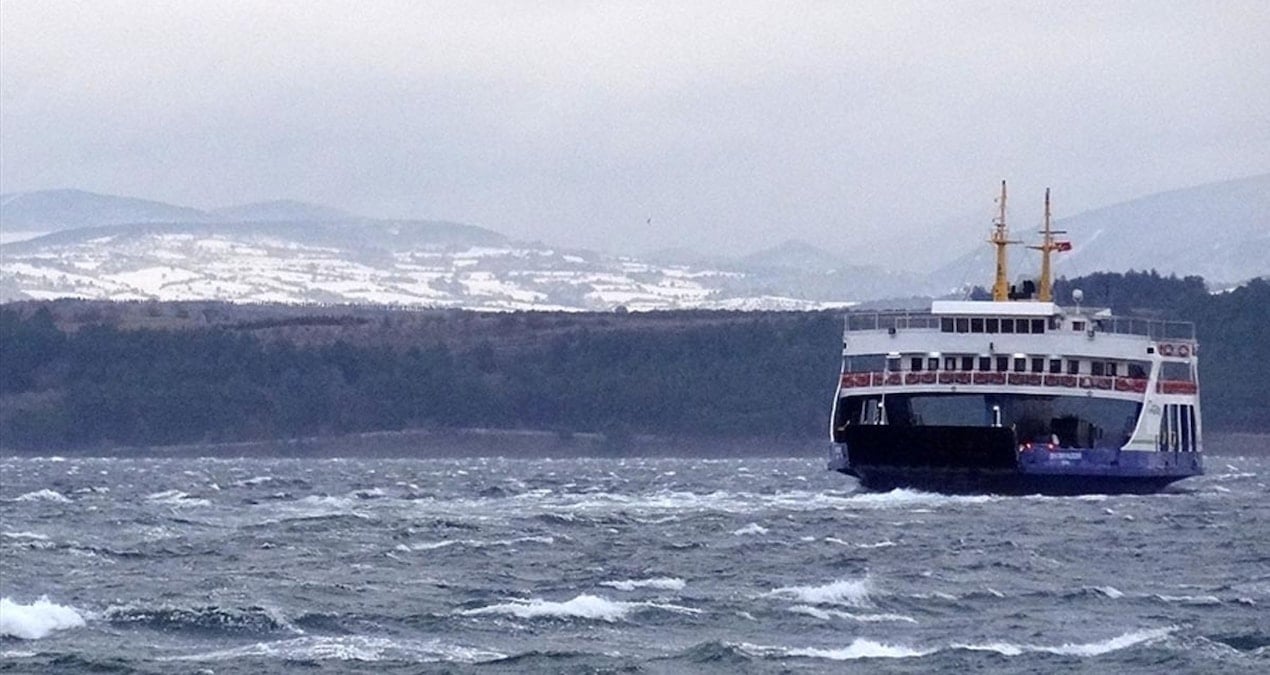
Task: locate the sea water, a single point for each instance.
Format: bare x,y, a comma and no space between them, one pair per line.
631,565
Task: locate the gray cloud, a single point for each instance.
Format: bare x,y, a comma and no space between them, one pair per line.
577,122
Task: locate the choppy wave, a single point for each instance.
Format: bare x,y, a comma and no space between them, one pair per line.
176,498
582,607
829,614
851,592
862,648
752,528
45,495
658,583
36,620
349,648
210,618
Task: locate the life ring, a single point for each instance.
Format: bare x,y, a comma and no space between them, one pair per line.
1183,351
1166,350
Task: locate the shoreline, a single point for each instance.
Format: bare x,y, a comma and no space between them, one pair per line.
528,444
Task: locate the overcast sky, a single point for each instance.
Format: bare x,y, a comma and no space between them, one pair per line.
841,123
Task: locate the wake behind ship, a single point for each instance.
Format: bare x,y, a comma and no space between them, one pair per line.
1017,395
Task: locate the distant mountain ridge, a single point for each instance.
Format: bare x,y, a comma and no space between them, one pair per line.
68,209
1220,231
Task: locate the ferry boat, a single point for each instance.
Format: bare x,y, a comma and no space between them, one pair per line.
1017,395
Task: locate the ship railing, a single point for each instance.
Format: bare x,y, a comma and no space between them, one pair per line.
897,320
1136,385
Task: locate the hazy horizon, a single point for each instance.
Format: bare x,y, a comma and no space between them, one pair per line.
864,130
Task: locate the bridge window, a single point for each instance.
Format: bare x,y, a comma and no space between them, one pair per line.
1078,326
1038,325
976,325
1022,326
1056,366
985,363
992,325
1073,367
967,363
1007,325
915,364
1003,364
946,325
963,325
1020,365
1038,365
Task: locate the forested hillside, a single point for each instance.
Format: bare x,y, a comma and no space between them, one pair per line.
95,375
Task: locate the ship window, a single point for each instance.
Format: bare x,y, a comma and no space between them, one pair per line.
932,363
1177,372
967,363
1095,367
1020,365
893,364
1078,326
1073,367
1138,370
1021,326
985,363
963,325
1111,369
991,325
1038,326
950,363
915,364
1190,415
1056,366
1003,364
946,325
976,325
1038,365
1007,325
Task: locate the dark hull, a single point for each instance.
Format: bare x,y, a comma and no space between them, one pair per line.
987,460
1005,482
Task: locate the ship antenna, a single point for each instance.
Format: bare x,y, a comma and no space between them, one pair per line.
1045,292
1000,239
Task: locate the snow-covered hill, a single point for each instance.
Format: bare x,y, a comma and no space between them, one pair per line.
385,262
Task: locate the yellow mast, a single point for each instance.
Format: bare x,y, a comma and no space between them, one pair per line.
1045,290
1000,239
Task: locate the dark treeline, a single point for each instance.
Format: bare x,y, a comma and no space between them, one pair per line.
92,385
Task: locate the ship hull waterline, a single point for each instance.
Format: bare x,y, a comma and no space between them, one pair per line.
988,460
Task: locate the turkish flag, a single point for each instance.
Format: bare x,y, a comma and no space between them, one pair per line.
1062,246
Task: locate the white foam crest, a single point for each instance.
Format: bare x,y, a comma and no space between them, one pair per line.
851,592
659,583
902,497
253,481
26,535
348,648
752,528
1069,649
887,543
476,543
176,498
1190,599
45,495
860,648
830,614
1110,591
36,620
582,607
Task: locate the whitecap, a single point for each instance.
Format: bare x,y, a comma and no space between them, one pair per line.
1190,599
582,607
860,648
851,592
349,648
752,528
1110,591
659,583
176,498
45,495
886,543
36,620
830,614
1069,649
25,535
